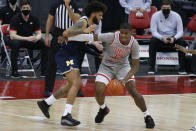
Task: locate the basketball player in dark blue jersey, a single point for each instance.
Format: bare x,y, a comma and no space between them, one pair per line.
66,59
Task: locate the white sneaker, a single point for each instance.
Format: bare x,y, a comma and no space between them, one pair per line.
193,128
182,73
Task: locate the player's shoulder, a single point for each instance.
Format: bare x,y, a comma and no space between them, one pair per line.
84,19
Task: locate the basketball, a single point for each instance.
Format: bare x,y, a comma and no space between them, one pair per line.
115,88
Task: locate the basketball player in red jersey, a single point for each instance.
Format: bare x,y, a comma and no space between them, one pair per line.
115,64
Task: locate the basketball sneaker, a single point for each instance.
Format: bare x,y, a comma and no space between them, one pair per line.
44,107
69,121
149,122
193,128
101,114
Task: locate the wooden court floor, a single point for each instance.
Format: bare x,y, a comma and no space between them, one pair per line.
170,112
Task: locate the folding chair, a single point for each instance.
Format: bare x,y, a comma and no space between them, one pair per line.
4,30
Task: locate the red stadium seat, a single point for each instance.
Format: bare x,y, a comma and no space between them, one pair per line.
192,24
139,22
142,23
5,29
142,36
153,9
192,27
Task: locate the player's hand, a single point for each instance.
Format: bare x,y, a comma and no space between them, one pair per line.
165,40
62,39
90,29
98,45
123,82
180,48
47,41
67,2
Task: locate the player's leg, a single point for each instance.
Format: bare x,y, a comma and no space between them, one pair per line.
44,105
100,85
139,101
138,98
74,78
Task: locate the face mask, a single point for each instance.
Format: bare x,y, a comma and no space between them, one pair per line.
13,2
95,21
166,12
26,12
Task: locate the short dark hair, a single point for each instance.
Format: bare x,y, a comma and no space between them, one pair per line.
165,2
94,6
126,26
25,2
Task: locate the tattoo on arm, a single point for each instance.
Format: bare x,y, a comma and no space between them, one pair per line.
76,28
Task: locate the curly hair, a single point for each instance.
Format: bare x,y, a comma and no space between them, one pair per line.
94,6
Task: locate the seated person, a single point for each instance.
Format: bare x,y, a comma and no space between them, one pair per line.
167,30
6,13
184,50
22,29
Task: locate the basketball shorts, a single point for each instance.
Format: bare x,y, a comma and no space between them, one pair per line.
107,73
65,62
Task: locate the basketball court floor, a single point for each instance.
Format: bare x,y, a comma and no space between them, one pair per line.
171,101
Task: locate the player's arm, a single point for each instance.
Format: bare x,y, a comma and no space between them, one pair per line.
178,47
73,16
135,62
104,37
79,28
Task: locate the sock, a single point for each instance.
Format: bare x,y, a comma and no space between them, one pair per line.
68,108
103,106
50,100
146,113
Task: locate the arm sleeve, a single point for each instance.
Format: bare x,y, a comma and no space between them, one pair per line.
179,28
14,24
135,50
147,4
154,28
37,25
106,37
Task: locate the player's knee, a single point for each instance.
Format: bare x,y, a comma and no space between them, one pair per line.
77,82
99,91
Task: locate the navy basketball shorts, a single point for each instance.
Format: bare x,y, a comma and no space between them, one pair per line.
65,62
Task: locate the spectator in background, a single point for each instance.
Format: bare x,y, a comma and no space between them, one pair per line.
193,52
62,14
6,13
25,32
167,30
135,6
